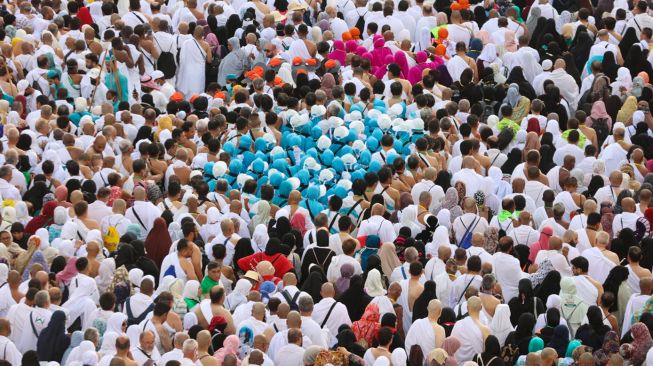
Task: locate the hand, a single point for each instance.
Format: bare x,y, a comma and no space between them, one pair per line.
344,351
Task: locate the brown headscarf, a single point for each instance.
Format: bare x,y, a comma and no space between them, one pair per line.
328,83
532,143
158,242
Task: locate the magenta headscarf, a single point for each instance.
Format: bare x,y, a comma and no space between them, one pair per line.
360,50
401,60
380,52
68,272
351,46
423,63
338,53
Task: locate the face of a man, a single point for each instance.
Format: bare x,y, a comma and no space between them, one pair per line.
5,238
147,343
214,274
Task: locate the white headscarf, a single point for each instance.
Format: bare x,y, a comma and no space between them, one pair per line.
105,274
260,238
501,325
135,277
373,283
238,295
190,319
4,273
444,218
108,344
489,54
60,215
22,214
114,323
190,290
285,74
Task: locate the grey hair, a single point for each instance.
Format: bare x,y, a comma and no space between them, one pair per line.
305,304
42,299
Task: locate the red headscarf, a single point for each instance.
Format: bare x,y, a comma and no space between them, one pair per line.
298,221
44,219
158,242
68,272
368,326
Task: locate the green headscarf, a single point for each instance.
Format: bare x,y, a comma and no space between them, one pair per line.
571,347
535,345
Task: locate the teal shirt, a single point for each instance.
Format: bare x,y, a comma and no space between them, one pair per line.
110,82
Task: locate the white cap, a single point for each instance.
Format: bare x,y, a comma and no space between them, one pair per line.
323,143
326,175
340,132
157,74
93,73
311,164
547,65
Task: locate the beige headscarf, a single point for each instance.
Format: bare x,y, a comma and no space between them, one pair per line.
389,259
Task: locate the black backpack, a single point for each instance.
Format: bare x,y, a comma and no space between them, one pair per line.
602,131
131,319
292,302
360,24
166,62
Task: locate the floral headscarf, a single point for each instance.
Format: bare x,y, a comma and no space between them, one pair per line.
368,326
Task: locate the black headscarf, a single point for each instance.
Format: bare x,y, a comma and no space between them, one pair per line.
628,40
546,158
233,24
524,302
549,286
560,339
647,252
443,179
347,339
633,60
53,340
552,318
89,189
282,227
595,183
571,67
243,249
581,46
609,66
516,76
58,264
492,350
447,320
273,247
30,358
514,159
355,298
313,283
144,263
144,133
616,277
125,255
420,308
35,195
592,333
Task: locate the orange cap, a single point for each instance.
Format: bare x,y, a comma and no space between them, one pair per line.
346,36
443,33
355,33
329,64
297,60
440,50
192,98
275,62
456,6
177,97
219,94
311,62
278,80
300,71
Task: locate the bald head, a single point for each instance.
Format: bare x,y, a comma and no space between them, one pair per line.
444,252
139,194
474,305
555,243
258,311
646,285
289,279
327,290
435,309
294,320
204,340
478,240
559,64
377,209
628,204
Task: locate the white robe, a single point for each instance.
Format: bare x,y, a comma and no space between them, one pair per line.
470,337
37,320
421,333
192,63
635,303
508,272
633,280
456,65
586,290
403,301
599,265
6,300
566,199
9,351
385,305
338,316
290,355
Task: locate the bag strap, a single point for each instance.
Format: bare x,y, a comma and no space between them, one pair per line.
403,272
199,48
31,322
328,314
465,289
333,221
352,208
139,18
286,296
138,218
468,229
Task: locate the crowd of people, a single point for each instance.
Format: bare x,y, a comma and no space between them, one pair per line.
339,182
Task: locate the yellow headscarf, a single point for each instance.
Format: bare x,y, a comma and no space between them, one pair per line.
627,110
165,123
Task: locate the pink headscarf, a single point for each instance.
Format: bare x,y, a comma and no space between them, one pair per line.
338,53
510,41
212,40
360,50
298,221
229,347
68,272
542,244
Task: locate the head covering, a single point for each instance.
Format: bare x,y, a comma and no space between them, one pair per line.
158,242
230,347
53,339
420,307
389,260
500,324
374,283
